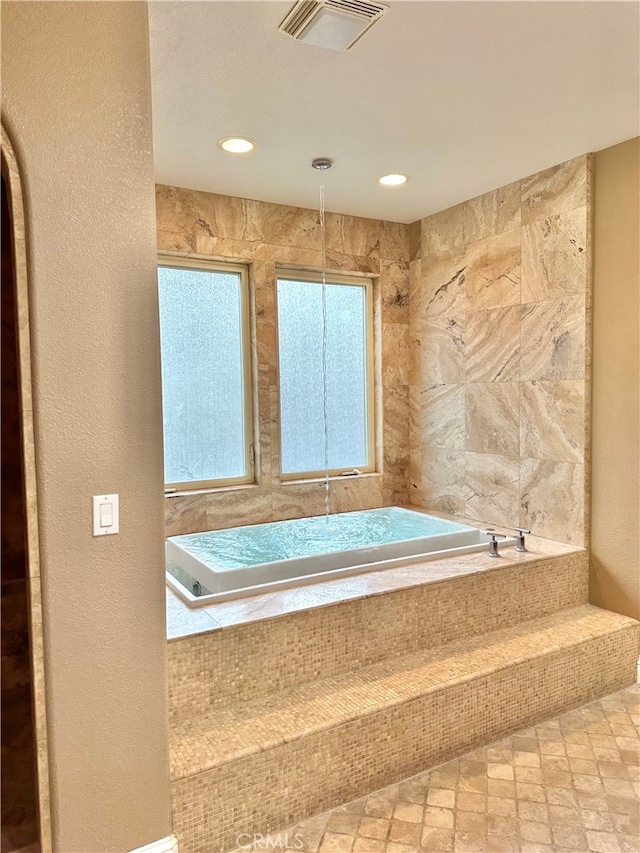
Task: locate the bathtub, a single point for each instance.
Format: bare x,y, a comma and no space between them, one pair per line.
203,568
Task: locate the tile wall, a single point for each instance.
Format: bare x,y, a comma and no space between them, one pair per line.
264,236
482,341
499,339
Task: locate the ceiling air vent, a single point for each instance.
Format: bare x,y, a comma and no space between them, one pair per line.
334,24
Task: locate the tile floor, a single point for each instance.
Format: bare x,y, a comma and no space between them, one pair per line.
571,785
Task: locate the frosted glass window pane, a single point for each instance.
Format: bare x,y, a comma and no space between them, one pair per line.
202,374
300,336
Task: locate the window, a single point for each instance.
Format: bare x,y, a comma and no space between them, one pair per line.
204,338
347,308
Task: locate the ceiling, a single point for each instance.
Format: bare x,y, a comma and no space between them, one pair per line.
463,96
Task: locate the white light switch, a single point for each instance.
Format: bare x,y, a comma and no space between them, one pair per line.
106,514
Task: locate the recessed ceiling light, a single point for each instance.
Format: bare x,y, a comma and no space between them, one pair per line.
237,144
394,180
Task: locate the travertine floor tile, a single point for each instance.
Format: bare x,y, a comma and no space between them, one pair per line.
584,803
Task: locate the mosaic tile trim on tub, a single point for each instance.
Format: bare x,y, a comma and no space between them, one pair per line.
221,667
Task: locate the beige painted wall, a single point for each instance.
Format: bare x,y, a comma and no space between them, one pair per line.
76,102
615,507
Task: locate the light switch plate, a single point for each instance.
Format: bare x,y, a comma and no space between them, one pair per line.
106,514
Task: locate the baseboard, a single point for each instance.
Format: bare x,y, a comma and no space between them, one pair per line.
169,844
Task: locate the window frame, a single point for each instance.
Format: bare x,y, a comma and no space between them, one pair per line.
367,282
209,265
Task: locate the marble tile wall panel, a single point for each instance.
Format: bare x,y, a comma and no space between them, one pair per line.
415,315
394,291
473,220
296,500
353,235
342,262
446,230
293,256
237,508
492,213
552,420
394,241
415,363
395,443
492,418
192,213
170,241
414,240
346,494
224,247
415,445
554,257
198,511
553,339
443,483
442,349
500,307
492,351
186,513
443,408
395,354
395,489
442,319
265,235
395,433
556,190
296,227
552,499
493,487
443,283
353,493
492,278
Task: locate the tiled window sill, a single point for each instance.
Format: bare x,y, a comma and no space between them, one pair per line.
336,478
212,491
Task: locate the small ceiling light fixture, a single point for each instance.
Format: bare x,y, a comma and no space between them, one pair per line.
322,163
237,144
394,180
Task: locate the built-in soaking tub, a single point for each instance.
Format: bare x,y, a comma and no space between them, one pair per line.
223,564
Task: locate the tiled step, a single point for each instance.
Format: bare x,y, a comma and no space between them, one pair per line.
279,758
446,602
